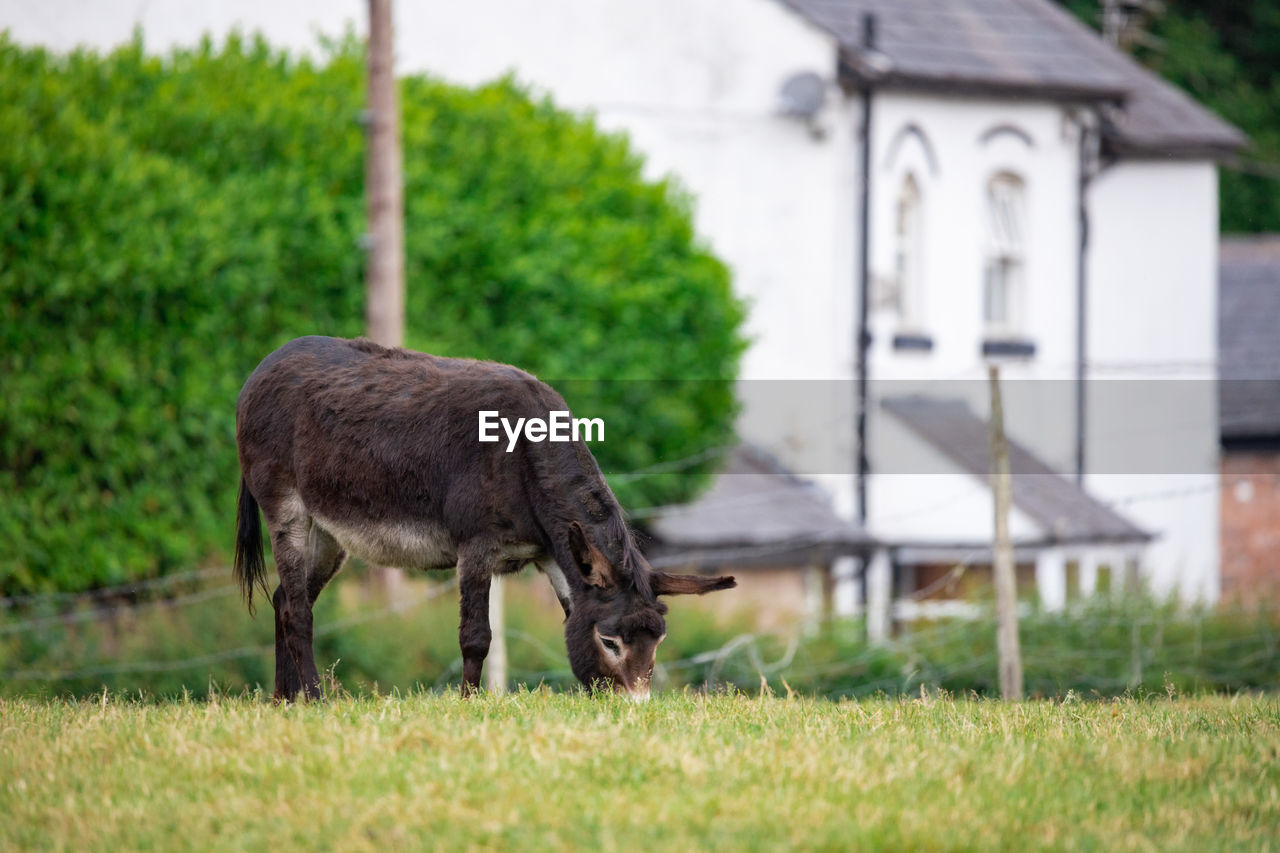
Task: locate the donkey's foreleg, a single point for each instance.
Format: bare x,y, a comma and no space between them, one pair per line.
475,570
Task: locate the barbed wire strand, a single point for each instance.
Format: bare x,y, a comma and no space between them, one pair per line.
395,608
123,610
115,591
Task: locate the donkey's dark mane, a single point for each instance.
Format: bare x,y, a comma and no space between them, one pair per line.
632,562
589,501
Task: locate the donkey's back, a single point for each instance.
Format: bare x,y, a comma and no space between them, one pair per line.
379,448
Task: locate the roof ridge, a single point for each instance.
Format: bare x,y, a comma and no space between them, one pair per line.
1022,48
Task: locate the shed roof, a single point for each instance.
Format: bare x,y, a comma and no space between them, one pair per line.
1248,338
1027,48
1067,513
756,513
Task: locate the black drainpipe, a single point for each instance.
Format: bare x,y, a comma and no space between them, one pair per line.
1082,214
862,341
1088,154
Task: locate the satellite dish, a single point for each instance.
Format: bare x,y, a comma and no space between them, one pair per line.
802,95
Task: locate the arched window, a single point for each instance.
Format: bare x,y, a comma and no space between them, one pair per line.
908,249
1004,285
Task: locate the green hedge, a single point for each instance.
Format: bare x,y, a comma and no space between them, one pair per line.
167,222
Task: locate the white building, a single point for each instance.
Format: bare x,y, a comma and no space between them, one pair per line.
993,124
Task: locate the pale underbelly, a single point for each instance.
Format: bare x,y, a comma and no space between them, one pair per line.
412,546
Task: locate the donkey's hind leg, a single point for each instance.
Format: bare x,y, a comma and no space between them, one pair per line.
324,558
288,682
306,558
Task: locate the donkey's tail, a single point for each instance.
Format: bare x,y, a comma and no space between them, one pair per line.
250,566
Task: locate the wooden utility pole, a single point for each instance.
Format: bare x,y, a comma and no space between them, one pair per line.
1002,551
384,273
384,201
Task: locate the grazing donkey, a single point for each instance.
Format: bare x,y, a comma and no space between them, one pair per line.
352,448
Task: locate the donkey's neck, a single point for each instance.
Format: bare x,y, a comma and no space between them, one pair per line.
570,487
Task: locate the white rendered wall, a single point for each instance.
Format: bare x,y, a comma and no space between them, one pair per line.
695,84
1153,319
954,147
63,25
972,140
953,189
1152,268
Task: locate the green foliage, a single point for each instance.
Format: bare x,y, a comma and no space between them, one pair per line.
167,222
1226,54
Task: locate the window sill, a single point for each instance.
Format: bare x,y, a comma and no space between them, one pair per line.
909,342
1008,348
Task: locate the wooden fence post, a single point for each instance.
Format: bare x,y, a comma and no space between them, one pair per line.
1002,550
495,665
879,604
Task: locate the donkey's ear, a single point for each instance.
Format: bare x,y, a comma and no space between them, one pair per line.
665,584
592,564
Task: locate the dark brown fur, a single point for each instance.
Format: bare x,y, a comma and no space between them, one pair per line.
346,443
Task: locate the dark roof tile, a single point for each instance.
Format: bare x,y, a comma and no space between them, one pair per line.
755,513
1065,511
1249,337
1031,48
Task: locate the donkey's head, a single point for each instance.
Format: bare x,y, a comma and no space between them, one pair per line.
617,622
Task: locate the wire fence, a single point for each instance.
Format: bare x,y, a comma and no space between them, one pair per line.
1088,650
1246,656
395,608
100,613
119,591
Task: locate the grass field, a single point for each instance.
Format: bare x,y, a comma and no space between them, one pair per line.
558,771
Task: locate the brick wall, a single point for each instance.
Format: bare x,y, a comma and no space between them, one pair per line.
1250,508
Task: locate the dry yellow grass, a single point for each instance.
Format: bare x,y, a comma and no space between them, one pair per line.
547,771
